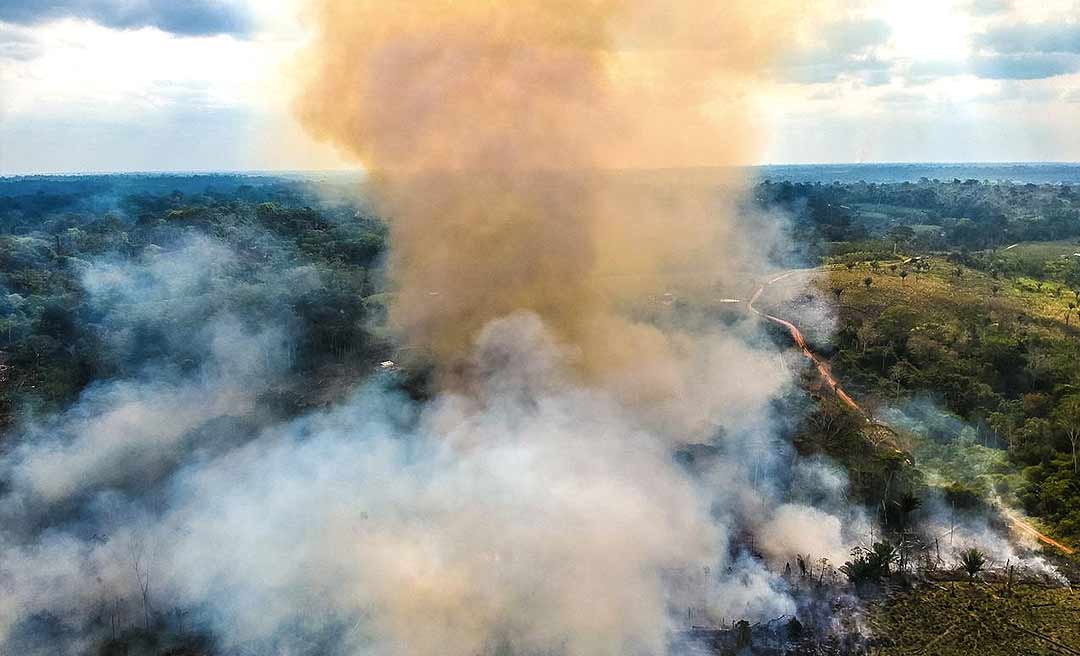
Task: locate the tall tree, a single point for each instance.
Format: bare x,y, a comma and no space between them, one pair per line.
1067,417
901,235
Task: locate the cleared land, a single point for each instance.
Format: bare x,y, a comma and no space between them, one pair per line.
978,618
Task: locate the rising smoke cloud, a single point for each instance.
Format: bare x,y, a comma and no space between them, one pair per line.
491,131
552,162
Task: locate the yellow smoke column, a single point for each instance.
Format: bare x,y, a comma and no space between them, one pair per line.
498,135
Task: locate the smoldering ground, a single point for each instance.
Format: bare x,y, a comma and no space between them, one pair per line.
969,514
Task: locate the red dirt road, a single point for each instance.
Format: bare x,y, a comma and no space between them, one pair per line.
1024,527
800,341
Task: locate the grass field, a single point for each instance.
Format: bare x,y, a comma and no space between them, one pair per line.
943,296
1037,252
942,299
949,619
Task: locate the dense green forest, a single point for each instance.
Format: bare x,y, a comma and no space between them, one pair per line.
925,215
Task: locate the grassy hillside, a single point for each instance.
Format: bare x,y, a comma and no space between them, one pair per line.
975,366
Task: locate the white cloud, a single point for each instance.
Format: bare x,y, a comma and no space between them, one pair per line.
927,29
83,67
75,95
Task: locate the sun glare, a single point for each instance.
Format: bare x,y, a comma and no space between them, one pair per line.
927,29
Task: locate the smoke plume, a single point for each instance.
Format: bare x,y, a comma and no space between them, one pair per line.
493,130
544,166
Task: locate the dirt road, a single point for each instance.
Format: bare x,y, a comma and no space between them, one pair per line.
800,341
1024,527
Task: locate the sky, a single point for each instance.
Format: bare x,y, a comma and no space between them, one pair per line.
197,85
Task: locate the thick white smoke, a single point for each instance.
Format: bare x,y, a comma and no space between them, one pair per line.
532,511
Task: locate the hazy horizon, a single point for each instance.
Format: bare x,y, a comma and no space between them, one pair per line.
359,171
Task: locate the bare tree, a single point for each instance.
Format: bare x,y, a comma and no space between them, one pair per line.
866,335
116,617
140,561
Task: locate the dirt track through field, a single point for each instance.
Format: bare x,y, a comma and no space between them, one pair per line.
800,341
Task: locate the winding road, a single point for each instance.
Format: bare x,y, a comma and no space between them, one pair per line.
1014,518
822,367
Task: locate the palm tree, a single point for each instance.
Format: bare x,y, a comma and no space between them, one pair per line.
972,561
886,554
870,565
907,504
